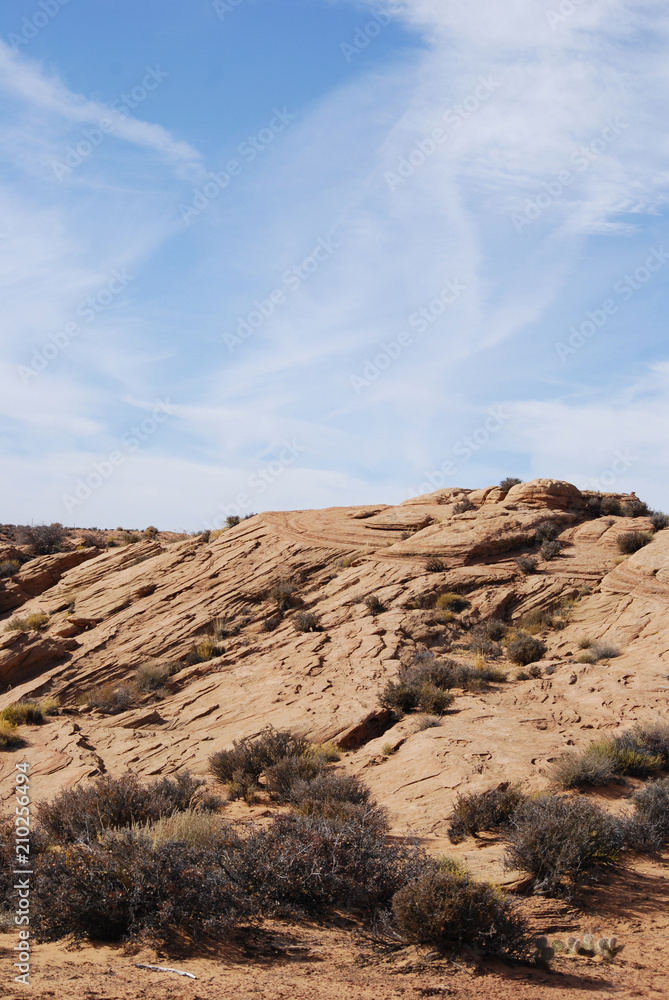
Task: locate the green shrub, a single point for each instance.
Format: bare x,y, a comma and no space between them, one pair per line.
659,520
561,842
526,649
640,752
24,712
204,650
35,622
631,541
81,813
10,737
509,482
487,810
451,602
451,910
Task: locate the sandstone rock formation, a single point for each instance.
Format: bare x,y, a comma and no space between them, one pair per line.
111,611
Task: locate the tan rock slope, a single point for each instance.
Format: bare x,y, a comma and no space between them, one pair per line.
110,612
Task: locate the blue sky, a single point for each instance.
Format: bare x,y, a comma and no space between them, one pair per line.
296,253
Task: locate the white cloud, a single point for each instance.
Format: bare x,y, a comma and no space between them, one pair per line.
22,78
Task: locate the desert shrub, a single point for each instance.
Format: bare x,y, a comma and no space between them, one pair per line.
640,752
527,564
203,650
547,531
35,622
289,774
659,520
112,699
451,602
451,910
153,676
510,481
123,887
549,550
434,565
9,735
23,712
649,827
307,621
604,651
313,863
271,624
526,649
561,842
424,722
251,756
635,508
463,507
483,811
9,567
426,686
281,594
81,813
130,538
223,628
536,620
585,642
93,540
631,541
494,629
654,737
375,606
151,532
479,643
233,521
325,795
42,539
50,705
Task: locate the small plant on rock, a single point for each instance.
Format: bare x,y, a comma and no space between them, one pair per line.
527,564
434,565
451,602
307,621
375,606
